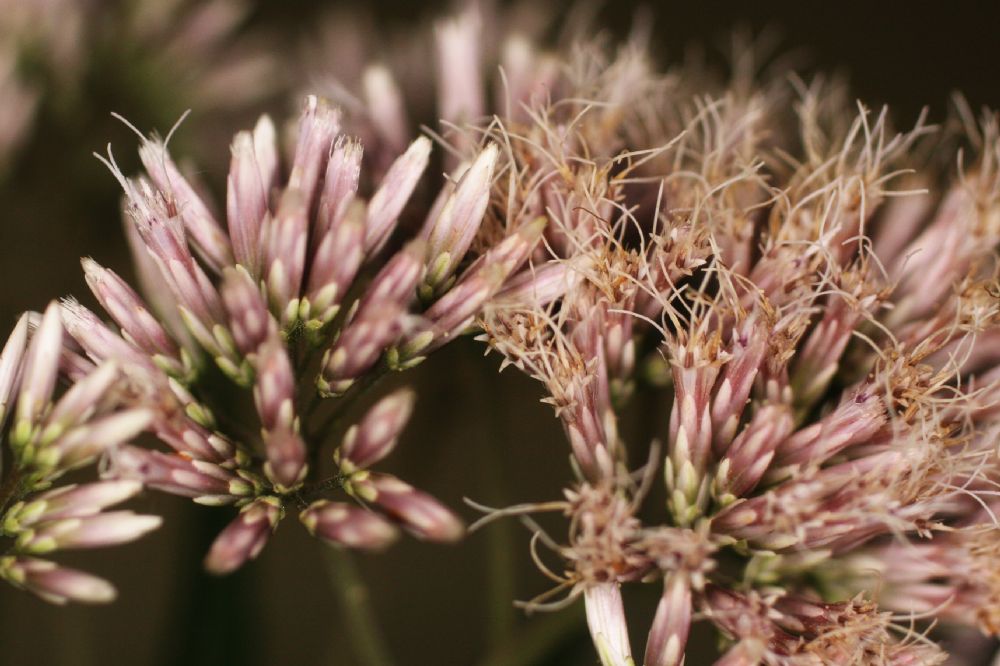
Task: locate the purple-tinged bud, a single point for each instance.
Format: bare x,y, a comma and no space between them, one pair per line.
454,312
537,287
129,311
245,536
749,456
151,283
206,234
192,439
252,174
72,501
10,365
377,323
394,191
284,238
347,525
384,103
419,513
96,531
340,184
854,421
197,300
81,400
54,583
286,459
668,636
335,264
274,391
175,474
459,45
250,322
318,127
41,367
450,234
375,436
606,621
747,351
84,443
274,395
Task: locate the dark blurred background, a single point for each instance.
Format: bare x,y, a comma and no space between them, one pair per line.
473,434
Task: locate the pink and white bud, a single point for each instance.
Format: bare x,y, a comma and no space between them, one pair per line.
347,525
252,173
206,233
250,322
245,536
394,191
82,399
196,297
56,584
172,473
72,501
86,442
340,184
41,367
750,455
274,391
385,107
855,421
375,436
419,513
454,312
96,531
11,360
669,634
335,264
286,458
749,344
284,241
451,233
129,311
606,621
537,287
377,323
459,48
318,127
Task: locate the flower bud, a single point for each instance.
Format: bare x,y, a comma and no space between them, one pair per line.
244,537
375,436
347,525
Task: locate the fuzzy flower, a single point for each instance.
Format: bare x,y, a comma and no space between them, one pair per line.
51,432
822,359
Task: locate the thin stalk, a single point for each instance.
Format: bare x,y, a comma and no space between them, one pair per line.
355,608
11,490
500,548
539,639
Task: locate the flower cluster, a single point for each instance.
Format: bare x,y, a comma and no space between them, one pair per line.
819,329
308,300
49,436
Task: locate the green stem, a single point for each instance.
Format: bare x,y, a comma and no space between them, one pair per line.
11,490
539,639
355,608
500,547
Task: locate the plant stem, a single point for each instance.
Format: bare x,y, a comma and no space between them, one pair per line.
355,608
500,537
11,489
540,637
